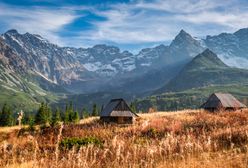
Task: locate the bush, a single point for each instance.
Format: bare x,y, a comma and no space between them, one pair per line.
68,143
152,133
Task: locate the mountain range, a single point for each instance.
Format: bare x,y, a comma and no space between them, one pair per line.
35,67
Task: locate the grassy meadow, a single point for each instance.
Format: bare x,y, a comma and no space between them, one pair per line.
191,98
188,138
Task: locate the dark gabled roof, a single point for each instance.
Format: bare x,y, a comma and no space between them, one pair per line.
117,108
225,100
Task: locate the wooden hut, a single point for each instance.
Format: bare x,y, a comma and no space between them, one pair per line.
118,111
222,101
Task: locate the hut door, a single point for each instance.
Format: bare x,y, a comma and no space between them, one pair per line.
120,120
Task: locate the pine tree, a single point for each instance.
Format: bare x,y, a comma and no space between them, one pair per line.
75,117
40,115
44,115
6,117
71,113
31,123
94,110
56,117
85,113
133,107
67,114
49,115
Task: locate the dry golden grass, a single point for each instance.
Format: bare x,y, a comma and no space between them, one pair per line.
9,129
89,120
188,138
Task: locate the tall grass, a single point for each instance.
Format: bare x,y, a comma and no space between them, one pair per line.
185,139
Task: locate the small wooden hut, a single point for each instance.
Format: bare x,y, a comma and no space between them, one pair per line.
118,111
222,101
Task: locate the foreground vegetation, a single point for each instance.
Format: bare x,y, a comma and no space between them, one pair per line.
180,139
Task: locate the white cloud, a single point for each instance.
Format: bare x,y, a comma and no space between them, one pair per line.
160,20
137,22
235,20
186,6
39,20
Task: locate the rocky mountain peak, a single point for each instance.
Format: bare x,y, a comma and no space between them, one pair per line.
183,33
12,31
182,37
208,53
206,59
242,32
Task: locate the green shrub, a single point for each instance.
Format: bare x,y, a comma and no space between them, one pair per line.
150,133
68,143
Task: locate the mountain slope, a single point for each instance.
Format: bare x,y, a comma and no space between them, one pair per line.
19,87
204,70
231,48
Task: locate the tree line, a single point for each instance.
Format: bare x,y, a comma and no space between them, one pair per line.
45,115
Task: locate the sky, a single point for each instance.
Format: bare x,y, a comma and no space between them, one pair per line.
128,24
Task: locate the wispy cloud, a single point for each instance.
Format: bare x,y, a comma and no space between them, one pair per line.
40,20
160,20
136,22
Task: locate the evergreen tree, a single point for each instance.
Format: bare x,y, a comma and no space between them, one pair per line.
40,115
44,115
31,123
81,115
49,115
85,113
133,107
75,117
71,112
6,117
56,117
67,114
94,110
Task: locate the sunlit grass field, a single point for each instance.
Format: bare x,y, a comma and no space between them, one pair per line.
188,138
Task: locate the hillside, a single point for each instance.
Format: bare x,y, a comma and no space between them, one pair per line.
181,139
21,88
190,98
204,70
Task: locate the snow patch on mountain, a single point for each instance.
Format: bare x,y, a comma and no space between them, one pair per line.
43,76
17,41
41,38
92,66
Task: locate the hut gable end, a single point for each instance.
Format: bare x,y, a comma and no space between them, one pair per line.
222,100
117,110
117,107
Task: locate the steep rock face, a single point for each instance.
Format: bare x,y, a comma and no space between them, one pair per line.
185,46
10,66
41,56
9,59
151,57
104,60
64,65
231,48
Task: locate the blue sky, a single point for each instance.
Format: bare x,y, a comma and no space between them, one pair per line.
129,24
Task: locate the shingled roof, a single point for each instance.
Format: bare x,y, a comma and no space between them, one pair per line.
117,108
225,100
